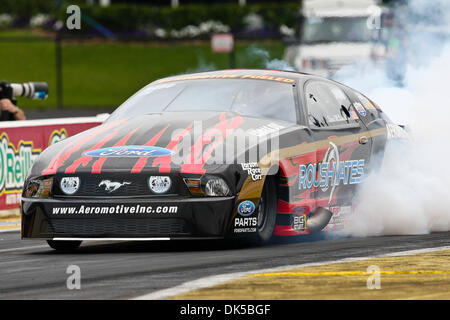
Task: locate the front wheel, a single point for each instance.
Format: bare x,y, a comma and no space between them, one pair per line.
266,213
64,246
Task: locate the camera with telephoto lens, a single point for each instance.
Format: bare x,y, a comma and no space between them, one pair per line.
32,90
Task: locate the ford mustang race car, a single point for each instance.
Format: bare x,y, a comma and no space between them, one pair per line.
246,154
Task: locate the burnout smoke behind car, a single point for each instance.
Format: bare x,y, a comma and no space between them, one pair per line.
411,194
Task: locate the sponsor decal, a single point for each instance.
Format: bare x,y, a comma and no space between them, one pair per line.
15,163
335,118
227,76
111,186
130,152
13,198
117,209
299,223
353,115
367,103
340,217
253,170
331,172
244,230
246,222
243,225
359,107
324,174
265,129
246,208
57,136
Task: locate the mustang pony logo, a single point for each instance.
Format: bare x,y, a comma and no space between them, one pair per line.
111,186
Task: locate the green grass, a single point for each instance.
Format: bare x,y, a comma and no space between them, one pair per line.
104,74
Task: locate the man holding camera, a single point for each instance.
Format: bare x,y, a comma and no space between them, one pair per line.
8,93
9,111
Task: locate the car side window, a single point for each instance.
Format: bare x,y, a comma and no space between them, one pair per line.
328,106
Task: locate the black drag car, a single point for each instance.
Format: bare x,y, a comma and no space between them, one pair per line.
247,154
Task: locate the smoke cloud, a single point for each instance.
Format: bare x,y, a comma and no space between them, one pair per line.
263,56
410,194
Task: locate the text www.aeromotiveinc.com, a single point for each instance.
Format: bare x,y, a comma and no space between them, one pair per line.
118,209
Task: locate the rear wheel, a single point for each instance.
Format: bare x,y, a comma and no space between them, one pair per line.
64,246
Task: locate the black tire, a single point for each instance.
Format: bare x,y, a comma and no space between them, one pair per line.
267,212
64,246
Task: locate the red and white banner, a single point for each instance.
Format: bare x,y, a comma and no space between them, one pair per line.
21,142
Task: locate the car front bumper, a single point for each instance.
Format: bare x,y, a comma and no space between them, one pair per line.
126,218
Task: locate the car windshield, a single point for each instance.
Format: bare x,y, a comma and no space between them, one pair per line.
336,29
259,98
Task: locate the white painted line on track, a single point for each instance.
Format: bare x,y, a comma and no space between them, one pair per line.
111,239
23,248
218,279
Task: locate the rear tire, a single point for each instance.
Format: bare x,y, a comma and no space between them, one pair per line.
64,246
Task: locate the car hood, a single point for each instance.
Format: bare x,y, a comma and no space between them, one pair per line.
188,142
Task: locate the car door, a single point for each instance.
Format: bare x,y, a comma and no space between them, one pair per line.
342,145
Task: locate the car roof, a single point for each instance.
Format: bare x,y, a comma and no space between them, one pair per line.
261,74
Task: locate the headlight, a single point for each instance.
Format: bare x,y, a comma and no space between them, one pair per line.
215,187
207,186
159,184
70,185
38,188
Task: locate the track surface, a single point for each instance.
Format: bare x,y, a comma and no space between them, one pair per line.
30,270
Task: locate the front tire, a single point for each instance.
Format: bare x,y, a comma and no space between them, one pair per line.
64,246
267,212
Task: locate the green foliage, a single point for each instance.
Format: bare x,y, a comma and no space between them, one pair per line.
27,8
130,17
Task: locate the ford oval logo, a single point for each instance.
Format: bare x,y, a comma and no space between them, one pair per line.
246,208
130,152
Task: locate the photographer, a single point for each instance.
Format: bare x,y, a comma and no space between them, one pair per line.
9,91
9,111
